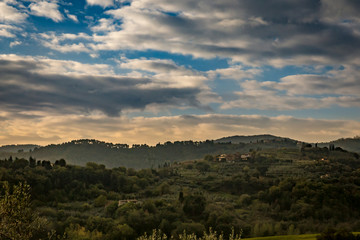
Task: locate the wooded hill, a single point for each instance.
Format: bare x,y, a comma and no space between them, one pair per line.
253,139
274,192
349,144
80,152
15,148
140,156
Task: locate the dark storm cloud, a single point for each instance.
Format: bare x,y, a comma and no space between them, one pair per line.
25,86
282,11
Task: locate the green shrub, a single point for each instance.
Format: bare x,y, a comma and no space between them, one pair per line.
333,234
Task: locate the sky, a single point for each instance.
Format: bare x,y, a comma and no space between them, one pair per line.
150,71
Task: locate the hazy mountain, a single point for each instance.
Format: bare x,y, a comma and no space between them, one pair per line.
253,139
349,144
18,148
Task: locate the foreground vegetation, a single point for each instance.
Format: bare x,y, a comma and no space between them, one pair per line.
273,192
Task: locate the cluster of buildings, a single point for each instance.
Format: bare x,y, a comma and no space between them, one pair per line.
236,157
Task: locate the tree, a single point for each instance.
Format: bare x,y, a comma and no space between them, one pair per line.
100,201
194,205
32,162
193,227
46,164
17,219
122,231
209,158
20,163
75,231
61,163
181,196
202,166
332,234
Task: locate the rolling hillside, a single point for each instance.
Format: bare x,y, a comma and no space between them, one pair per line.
254,139
139,156
349,144
143,156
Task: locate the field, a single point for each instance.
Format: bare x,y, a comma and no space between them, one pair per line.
286,237
291,237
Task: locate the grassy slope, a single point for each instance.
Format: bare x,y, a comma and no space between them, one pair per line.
287,237
290,237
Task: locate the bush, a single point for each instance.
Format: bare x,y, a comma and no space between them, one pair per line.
194,205
212,235
100,201
342,234
17,218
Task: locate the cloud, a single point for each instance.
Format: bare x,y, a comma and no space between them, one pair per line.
235,72
104,25
65,42
314,35
48,9
339,11
103,3
10,17
9,14
318,85
151,130
274,32
8,31
255,96
70,87
277,33
166,71
71,16
337,87
15,43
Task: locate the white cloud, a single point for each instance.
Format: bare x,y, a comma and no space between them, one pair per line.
71,16
8,31
166,72
234,72
10,14
103,3
65,42
15,43
255,96
48,9
339,87
65,67
104,25
344,81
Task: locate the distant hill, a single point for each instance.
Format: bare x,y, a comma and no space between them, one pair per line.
80,152
349,144
253,139
18,148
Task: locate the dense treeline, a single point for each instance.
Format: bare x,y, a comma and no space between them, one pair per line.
274,192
